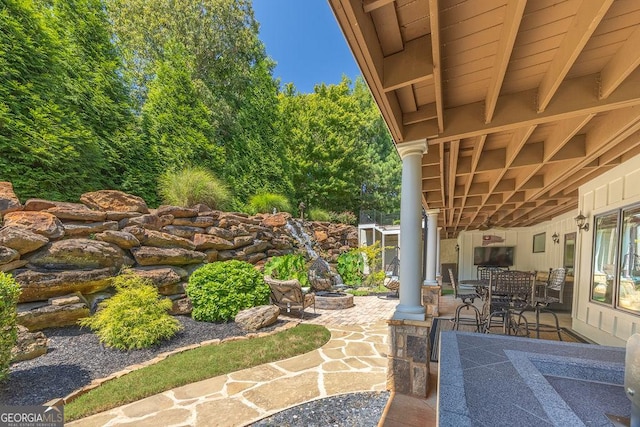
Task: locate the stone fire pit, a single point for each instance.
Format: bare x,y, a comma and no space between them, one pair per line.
333,300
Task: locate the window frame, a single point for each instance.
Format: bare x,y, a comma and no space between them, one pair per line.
615,291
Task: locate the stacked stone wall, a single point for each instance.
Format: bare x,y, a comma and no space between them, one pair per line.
64,255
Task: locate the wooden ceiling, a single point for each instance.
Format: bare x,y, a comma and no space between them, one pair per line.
520,102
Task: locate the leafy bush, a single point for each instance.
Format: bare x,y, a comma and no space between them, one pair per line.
287,267
345,217
135,317
351,267
191,186
373,256
9,292
218,291
265,202
317,214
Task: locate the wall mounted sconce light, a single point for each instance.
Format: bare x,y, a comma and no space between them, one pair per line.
581,222
457,248
556,238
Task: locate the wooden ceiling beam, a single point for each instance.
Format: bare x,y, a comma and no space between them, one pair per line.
575,97
358,28
454,148
478,148
517,141
584,23
434,23
599,140
411,65
604,163
621,65
370,5
424,112
510,26
562,133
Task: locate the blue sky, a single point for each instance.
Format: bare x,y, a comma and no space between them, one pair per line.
304,38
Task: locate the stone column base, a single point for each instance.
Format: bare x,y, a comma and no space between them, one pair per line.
431,300
408,370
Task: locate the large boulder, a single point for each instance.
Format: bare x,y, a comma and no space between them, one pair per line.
52,316
276,220
223,233
19,263
149,221
161,276
181,306
42,223
114,200
77,254
199,221
29,345
242,241
256,247
183,231
42,285
209,241
84,229
9,202
177,211
259,317
121,239
7,255
77,212
147,255
159,239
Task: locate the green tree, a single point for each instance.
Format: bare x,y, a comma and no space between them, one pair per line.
336,138
230,74
175,120
61,98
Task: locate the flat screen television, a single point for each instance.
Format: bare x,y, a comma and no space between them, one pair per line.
501,256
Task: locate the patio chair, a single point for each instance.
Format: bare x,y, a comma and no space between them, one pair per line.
551,293
509,293
288,296
467,302
392,280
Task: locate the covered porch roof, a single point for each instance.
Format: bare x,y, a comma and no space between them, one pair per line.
520,102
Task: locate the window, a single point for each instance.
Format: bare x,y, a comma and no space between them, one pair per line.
616,259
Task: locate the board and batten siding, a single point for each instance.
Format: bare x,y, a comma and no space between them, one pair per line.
615,189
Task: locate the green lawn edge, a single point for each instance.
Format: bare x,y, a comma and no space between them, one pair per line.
209,361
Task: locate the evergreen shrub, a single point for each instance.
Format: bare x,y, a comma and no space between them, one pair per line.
266,202
219,290
135,317
191,186
9,292
286,267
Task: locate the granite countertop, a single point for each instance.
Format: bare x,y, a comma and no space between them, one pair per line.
496,380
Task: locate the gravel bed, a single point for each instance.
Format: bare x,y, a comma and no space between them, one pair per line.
347,410
76,357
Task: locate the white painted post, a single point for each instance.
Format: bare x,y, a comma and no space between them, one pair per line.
410,307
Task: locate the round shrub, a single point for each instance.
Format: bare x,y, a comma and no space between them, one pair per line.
266,202
9,292
135,317
218,291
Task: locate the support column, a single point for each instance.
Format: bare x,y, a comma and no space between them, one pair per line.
410,307
438,264
431,287
432,247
